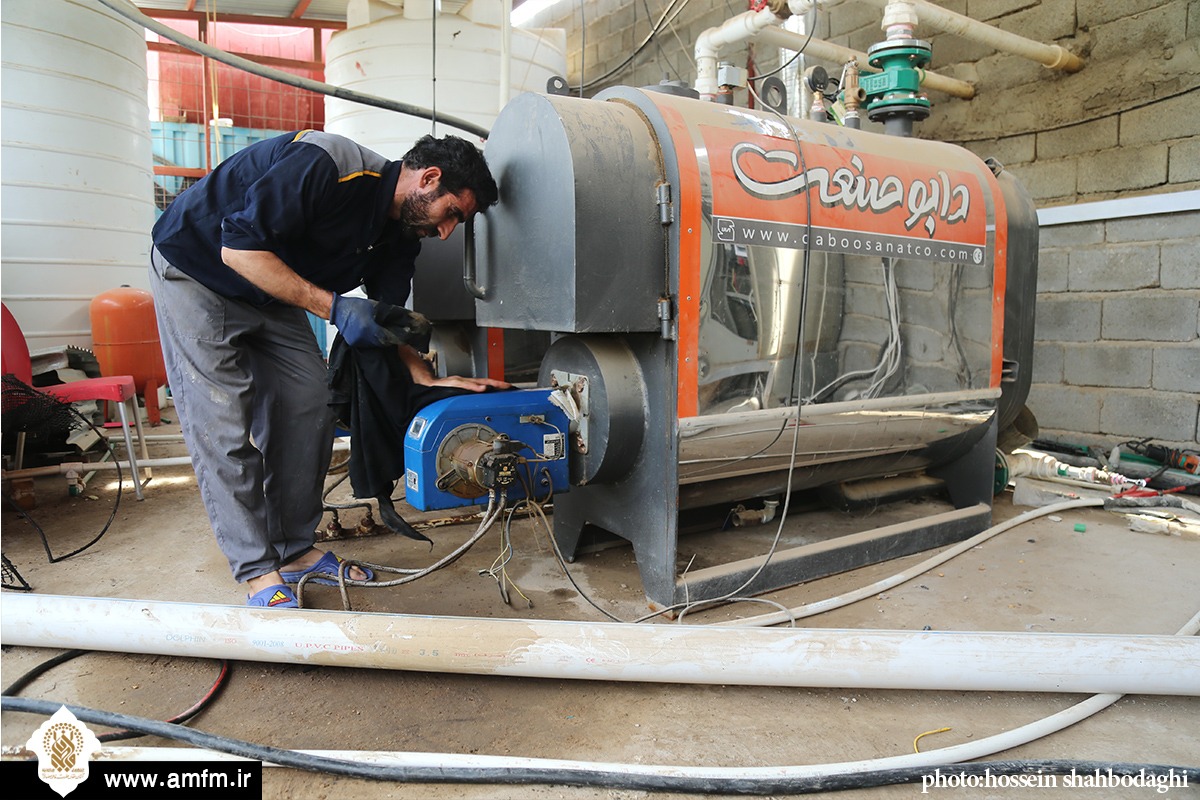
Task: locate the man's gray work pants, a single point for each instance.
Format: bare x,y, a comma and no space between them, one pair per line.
250,392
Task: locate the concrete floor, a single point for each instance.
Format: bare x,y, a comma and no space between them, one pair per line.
1042,576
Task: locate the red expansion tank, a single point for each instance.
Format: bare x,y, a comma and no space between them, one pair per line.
125,338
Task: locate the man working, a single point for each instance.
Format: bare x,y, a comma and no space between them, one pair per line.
286,226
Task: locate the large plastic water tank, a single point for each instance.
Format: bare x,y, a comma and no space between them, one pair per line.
77,186
387,50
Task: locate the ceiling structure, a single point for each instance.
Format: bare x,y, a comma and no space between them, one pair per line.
307,10
311,10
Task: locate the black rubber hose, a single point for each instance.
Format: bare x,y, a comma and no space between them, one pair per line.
120,735
586,777
131,13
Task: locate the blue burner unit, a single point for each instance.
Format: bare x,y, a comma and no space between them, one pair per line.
459,448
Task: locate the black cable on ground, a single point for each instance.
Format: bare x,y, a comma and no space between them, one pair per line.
571,776
36,672
13,385
120,735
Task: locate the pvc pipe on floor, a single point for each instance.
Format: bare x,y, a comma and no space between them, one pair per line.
1018,662
953,754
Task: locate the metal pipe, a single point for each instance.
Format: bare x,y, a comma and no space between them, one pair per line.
882,585
963,661
1051,55
778,37
150,437
853,95
505,55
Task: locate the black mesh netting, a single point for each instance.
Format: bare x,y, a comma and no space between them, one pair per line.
35,414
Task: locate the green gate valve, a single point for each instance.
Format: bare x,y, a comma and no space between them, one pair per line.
896,88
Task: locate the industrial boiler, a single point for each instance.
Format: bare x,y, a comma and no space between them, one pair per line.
739,305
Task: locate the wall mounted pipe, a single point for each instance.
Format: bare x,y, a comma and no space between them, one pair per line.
763,26
1019,662
778,37
129,11
709,43
1051,55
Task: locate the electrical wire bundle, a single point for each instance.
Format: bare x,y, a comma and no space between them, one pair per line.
890,358
668,16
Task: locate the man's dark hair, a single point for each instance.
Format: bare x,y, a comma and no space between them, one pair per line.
461,163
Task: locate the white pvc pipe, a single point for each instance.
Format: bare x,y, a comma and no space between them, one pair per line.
1019,662
779,37
1047,467
954,754
709,43
80,467
763,26
1050,55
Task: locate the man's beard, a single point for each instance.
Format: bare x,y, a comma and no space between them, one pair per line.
414,216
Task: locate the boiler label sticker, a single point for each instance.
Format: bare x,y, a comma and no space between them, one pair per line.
767,192
736,230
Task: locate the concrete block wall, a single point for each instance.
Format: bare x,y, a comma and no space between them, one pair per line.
1117,348
614,28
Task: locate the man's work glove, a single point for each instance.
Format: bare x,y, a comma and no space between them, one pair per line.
354,317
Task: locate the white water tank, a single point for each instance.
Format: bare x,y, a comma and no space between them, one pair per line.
387,50
78,194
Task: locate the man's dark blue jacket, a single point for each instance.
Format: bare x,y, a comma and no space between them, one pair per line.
318,201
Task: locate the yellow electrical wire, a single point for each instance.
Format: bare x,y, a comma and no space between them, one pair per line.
927,733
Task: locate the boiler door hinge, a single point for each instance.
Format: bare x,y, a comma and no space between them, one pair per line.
666,212
666,315
1010,370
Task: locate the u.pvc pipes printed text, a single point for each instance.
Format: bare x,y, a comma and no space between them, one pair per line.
850,659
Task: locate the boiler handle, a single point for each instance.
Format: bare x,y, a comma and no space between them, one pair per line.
469,281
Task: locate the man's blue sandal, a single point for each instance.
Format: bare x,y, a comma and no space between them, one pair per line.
277,596
328,564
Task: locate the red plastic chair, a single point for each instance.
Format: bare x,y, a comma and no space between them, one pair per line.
118,389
